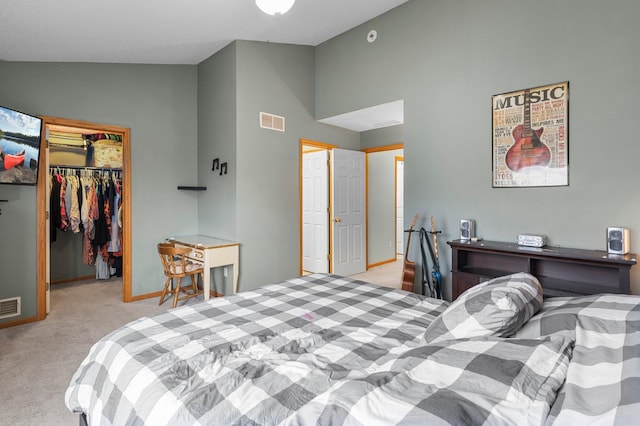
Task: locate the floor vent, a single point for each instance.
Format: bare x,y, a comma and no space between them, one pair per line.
10,307
271,121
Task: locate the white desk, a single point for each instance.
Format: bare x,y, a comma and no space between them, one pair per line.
211,252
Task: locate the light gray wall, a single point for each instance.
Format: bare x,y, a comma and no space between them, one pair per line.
217,107
446,59
277,79
18,244
66,257
380,137
158,103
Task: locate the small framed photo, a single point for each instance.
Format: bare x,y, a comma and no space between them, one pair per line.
530,137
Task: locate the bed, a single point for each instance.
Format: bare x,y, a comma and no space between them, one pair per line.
327,350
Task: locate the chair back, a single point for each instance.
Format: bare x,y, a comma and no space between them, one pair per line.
173,259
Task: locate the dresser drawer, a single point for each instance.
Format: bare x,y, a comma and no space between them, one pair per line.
196,254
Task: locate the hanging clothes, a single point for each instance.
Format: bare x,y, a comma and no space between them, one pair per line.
54,210
89,204
74,213
116,225
101,225
64,218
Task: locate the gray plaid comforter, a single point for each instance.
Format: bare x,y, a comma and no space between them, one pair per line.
603,380
328,350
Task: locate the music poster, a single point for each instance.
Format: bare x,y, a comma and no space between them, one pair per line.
531,137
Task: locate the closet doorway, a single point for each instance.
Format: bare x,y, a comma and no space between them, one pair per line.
68,127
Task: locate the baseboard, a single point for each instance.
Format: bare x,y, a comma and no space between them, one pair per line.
72,280
159,293
18,322
146,296
384,262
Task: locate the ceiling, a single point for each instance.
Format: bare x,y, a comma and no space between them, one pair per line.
375,117
172,31
165,31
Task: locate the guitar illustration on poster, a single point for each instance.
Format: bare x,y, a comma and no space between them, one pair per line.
528,150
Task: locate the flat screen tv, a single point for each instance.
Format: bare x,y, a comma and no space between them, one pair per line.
19,147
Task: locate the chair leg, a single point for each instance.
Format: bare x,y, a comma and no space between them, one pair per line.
177,292
194,283
164,292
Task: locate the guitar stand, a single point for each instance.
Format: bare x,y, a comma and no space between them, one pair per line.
430,287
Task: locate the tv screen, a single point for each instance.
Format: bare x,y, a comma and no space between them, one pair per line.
19,147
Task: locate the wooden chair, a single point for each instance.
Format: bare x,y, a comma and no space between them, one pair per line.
175,264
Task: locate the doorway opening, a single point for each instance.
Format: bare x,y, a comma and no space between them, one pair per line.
70,127
332,209
323,202
385,204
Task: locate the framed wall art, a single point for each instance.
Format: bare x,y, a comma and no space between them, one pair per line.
530,129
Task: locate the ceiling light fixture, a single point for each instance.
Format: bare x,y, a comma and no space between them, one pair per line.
275,7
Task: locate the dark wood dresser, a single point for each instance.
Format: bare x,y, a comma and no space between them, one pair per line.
561,271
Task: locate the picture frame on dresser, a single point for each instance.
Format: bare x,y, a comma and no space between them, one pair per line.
530,137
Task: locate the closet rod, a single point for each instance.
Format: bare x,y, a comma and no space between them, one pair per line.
104,169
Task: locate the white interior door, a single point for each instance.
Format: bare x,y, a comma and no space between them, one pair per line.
315,211
348,251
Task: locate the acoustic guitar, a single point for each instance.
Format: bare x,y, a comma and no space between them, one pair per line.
528,150
409,268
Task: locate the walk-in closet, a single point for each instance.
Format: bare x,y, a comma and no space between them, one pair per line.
86,205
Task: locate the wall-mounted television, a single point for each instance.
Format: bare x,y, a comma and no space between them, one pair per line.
19,147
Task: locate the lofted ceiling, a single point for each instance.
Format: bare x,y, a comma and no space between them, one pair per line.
178,32
165,31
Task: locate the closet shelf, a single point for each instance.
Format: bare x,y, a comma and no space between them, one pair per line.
193,188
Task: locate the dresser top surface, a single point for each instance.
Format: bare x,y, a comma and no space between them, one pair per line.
547,251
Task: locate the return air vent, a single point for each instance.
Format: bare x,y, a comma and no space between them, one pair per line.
271,121
10,307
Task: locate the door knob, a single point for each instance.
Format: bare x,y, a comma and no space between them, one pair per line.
337,220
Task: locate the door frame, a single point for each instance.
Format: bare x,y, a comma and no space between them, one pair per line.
315,208
399,244
367,151
314,145
42,187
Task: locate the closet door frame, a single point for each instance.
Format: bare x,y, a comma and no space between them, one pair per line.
43,173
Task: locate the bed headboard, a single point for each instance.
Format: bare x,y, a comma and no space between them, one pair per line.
561,271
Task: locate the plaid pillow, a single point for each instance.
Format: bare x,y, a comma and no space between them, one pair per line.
498,307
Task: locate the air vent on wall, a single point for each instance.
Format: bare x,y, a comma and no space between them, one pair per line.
10,307
271,121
